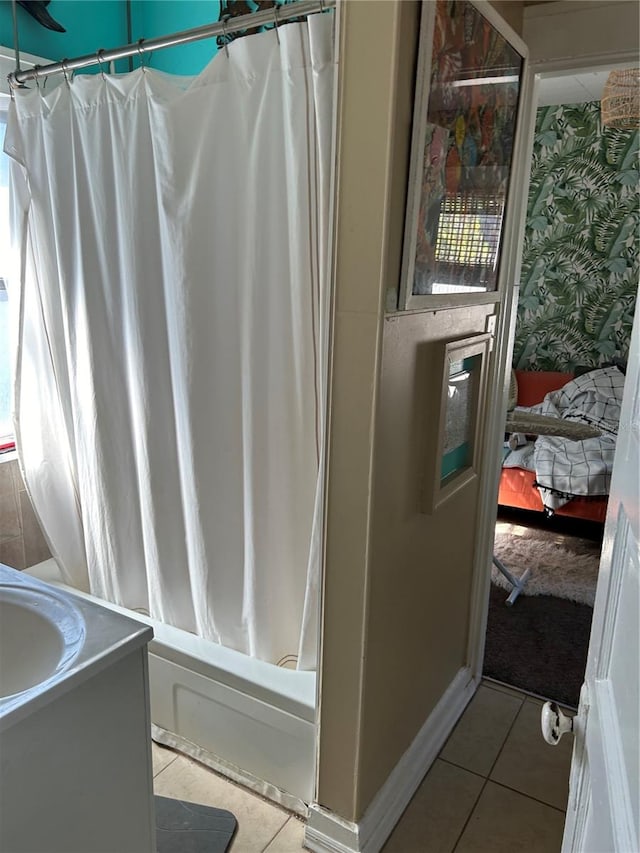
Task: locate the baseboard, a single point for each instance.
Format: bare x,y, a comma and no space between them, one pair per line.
327,832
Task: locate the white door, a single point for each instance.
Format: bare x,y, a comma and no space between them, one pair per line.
604,793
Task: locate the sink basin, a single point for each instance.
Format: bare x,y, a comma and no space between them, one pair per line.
41,634
75,726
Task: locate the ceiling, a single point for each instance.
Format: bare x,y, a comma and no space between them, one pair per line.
572,88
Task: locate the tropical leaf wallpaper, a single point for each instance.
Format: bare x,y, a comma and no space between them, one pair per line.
581,256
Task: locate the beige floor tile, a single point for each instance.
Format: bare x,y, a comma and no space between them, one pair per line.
507,822
162,757
289,839
504,688
436,815
535,700
529,765
478,737
258,821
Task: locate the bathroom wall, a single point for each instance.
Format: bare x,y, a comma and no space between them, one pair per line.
21,541
394,633
89,25
376,687
94,24
153,18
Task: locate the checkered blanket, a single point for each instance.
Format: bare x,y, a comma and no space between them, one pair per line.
566,468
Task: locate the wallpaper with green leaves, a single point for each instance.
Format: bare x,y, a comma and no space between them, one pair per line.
581,256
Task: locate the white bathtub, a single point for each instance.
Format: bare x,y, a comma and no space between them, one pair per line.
250,720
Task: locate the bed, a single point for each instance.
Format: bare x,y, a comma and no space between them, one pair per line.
593,397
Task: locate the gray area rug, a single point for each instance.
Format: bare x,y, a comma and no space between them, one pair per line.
562,565
539,645
183,827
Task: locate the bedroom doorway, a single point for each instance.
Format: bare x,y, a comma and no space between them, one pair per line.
571,319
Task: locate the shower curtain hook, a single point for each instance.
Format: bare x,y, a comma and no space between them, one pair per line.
276,23
99,57
37,78
141,52
224,33
65,72
321,6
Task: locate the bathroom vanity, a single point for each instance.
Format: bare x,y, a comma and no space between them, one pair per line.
75,748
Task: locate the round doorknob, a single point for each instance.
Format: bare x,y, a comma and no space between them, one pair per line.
554,723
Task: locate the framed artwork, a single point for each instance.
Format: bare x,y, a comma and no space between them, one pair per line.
453,458
464,126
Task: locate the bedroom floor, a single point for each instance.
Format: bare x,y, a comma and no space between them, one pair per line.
496,787
540,643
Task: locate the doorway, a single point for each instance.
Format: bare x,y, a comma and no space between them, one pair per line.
579,193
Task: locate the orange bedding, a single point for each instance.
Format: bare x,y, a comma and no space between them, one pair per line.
517,490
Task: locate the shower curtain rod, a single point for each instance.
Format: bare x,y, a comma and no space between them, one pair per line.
253,19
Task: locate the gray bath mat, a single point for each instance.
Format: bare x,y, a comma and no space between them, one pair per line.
183,827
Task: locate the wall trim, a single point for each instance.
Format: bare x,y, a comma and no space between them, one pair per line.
577,35
327,832
499,379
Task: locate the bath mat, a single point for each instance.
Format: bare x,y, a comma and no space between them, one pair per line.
183,827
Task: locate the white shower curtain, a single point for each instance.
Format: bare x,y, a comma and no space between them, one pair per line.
171,367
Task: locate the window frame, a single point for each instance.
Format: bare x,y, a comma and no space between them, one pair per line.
407,299
7,440
7,65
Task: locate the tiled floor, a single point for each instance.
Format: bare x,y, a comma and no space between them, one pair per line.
262,827
495,788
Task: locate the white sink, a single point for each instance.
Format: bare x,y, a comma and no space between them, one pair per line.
41,634
75,742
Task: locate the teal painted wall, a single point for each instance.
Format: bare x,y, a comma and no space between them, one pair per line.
581,254
90,25
94,24
153,18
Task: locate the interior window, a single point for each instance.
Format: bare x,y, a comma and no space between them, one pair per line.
468,239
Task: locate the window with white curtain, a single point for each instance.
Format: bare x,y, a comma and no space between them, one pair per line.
6,424
7,65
